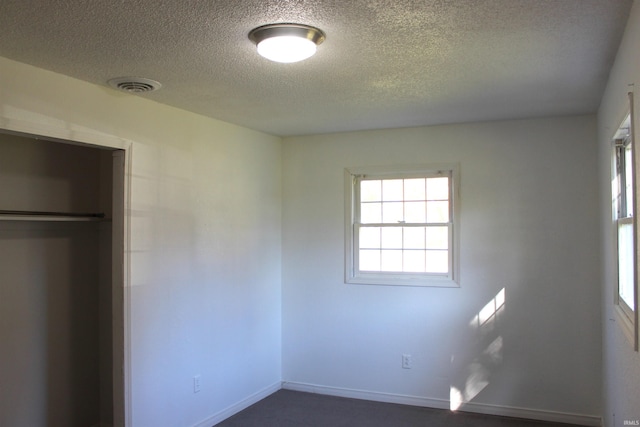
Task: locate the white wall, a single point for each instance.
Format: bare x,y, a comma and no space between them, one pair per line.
205,243
529,221
621,365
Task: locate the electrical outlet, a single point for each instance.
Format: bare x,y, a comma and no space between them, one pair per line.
196,384
407,361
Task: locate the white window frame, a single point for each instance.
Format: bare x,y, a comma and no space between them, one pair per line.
352,199
627,317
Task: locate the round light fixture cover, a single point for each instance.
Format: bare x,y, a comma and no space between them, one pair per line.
286,42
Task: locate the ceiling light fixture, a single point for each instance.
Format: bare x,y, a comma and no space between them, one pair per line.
286,42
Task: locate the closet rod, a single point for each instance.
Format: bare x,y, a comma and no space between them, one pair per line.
52,214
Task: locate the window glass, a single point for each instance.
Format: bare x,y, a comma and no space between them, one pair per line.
370,238
415,211
414,237
392,238
437,238
415,189
392,190
370,260
371,191
628,181
392,212
437,261
371,213
623,194
401,227
625,264
437,189
437,211
414,261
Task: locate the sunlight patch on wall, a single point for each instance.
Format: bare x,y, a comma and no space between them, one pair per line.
485,320
479,370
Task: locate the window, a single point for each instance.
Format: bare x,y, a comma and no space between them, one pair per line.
624,208
401,226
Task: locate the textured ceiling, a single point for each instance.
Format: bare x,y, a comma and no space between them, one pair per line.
385,63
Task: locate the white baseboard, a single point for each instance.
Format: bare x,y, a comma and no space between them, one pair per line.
479,408
367,395
243,404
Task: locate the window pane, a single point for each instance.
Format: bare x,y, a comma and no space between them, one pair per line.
437,211
437,262
616,192
414,238
437,238
415,212
402,226
414,261
438,188
414,189
625,264
391,260
392,190
369,260
371,213
371,191
392,238
392,212
628,180
370,237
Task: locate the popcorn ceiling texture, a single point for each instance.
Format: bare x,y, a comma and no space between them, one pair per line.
384,64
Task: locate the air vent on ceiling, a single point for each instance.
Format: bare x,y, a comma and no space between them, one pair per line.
134,84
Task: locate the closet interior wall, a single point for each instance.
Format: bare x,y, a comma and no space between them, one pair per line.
55,286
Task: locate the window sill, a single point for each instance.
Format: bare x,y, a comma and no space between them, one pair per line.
627,326
394,280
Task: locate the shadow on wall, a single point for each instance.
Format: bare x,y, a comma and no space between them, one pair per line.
471,377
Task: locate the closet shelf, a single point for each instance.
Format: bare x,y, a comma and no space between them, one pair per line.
8,215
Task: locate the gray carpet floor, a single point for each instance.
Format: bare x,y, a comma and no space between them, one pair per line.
287,408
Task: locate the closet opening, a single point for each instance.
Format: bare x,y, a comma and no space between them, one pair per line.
63,281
